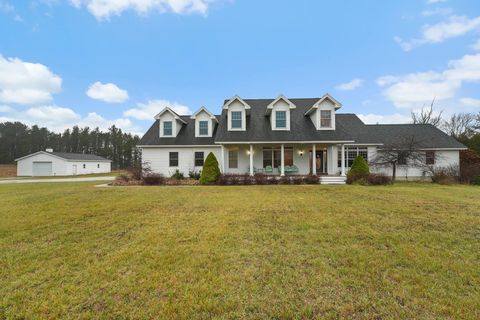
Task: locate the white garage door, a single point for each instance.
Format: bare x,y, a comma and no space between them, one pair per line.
42,169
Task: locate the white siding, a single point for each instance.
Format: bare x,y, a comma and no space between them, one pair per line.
61,167
91,167
25,166
159,158
443,158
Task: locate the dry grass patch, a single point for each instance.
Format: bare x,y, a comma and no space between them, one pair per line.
403,251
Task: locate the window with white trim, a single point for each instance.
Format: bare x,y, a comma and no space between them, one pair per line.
199,159
167,128
325,118
233,159
281,119
203,128
430,157
236,119
350,154
173,159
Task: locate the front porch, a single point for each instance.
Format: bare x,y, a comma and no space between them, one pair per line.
284,159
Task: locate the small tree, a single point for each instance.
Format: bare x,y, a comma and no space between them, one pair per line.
210,171
402,152
359,168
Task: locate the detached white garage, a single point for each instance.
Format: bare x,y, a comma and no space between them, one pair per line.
48,163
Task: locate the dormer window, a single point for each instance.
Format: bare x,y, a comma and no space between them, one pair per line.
236,119
325,118
203,128
167,128
281,119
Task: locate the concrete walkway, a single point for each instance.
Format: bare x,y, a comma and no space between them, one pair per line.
48,180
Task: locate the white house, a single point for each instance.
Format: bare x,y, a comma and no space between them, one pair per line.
49,163
285,136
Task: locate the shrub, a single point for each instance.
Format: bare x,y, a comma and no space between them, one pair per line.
358,171
153,179
122,178
260,178
445,175
192,174
476,181
378,179
469,166
210,172
178,175
311,179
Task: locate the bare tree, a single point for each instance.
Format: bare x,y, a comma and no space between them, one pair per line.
460,124
406,151
427,115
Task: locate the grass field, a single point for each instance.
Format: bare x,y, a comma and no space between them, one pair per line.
71,250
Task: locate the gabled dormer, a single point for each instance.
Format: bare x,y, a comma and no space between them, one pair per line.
205,122
170,123
279,112
322,113
237,110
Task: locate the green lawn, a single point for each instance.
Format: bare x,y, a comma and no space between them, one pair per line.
92,175
74,251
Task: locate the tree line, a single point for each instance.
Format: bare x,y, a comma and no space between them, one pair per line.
18,140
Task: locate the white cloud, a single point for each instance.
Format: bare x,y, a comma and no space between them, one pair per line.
476,45
104,9
435,1
6,7
437,12
58,119
412,90
26,83
378,118
349,86
5,109
470,103
455,26
107,92
146,111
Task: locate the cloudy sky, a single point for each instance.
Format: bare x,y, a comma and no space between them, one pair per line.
104,62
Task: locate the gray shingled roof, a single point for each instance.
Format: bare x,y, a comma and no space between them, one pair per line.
426,135
186,136
78,156
258,126
348,128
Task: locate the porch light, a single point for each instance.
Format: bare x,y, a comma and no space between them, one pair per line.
300,153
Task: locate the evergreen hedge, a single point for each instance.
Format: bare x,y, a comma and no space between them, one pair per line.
359,170
210,171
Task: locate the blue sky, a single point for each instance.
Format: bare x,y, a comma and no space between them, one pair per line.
100,62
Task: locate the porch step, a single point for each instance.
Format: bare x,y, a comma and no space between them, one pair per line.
333,180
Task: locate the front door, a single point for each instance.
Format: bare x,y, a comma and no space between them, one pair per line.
320,161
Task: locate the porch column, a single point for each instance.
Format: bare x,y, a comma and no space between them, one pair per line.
282,161
251,159
314,159
223,159
343,160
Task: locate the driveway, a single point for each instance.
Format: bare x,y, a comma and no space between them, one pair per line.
108,178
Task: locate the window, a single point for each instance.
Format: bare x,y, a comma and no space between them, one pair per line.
173,159
198,159
167,128
203,128
236,119
325,118
281,119
401,159
233,159
430,157
273,157
84,166
98,165
350,154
